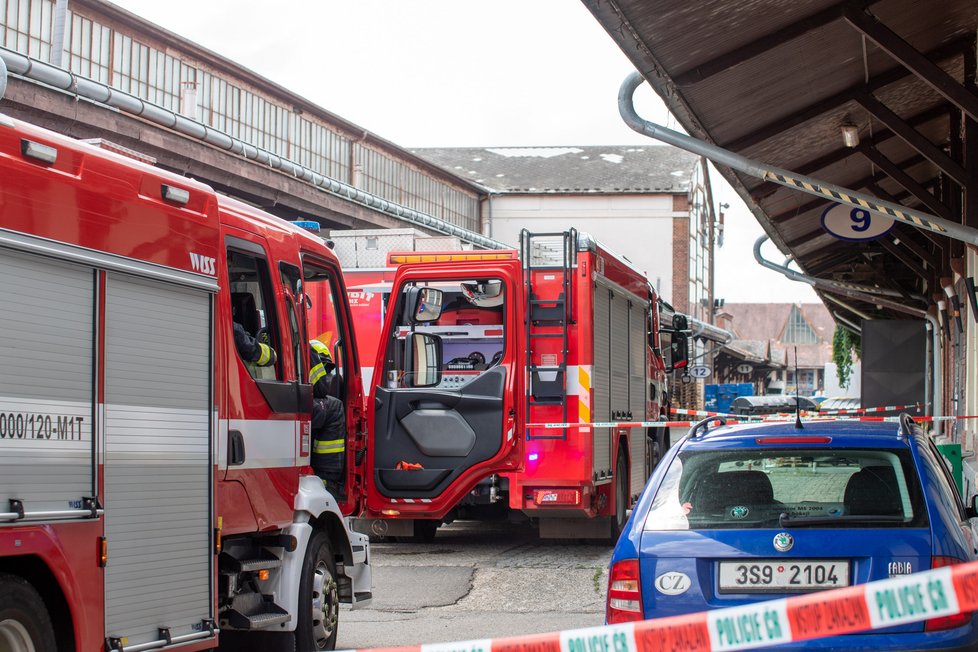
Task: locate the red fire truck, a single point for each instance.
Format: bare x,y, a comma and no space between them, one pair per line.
155,488
570,333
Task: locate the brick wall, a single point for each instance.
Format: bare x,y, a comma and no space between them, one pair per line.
680,255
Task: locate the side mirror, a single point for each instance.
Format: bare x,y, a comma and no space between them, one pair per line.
422,360
680,351
484,294
972,508
423,305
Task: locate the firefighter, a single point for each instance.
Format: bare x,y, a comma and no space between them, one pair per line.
328,422
251,350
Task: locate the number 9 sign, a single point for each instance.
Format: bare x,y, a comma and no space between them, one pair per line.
850,223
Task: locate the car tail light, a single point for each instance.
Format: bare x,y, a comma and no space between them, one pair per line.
946,622
624,592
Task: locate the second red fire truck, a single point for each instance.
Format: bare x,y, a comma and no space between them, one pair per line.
560,333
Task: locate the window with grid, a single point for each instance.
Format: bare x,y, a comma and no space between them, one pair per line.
798,331
26,27
119,60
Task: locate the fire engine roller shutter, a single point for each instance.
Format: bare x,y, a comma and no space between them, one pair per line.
619,357
157,458
601,378
637,384
46,392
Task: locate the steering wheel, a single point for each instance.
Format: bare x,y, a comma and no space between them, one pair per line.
496,359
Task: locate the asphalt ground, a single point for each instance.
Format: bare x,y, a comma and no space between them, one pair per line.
478,580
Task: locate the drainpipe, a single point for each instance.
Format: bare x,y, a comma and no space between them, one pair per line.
851,290
850,325
850,308
810,185
3,77
58,32
90,89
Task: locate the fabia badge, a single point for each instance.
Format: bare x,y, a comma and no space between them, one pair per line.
739,511
783,542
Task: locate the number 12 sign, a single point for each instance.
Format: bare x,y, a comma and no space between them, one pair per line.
849,223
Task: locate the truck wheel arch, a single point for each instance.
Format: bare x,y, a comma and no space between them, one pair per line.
34,571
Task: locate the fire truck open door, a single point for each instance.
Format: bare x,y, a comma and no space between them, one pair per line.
443,404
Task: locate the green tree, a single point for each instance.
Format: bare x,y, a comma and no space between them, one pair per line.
844,344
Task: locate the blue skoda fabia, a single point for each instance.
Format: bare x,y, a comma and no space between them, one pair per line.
750,512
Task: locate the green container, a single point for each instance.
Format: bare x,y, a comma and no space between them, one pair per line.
952,453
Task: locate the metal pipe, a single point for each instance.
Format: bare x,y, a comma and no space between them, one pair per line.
934,363
3,77
851,290
810,185
848,324
709,331
79,86
58,32
850,308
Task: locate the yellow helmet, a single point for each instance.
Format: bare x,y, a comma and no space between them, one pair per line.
319,347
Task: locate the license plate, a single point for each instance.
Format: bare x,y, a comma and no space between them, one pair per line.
782,575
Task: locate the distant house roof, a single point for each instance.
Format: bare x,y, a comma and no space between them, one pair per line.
587,169
766,321
752,323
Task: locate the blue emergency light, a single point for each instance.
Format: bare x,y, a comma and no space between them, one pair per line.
308,225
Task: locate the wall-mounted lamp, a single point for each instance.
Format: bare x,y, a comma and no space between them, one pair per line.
969,284
942,309
955,305
850,135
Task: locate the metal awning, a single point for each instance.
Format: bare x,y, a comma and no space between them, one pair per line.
776,81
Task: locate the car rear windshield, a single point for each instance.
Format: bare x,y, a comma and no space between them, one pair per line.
769,488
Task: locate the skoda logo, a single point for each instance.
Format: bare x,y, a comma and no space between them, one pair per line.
783,542
739,511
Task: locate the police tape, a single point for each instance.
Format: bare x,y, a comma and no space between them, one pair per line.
728,420
937,593
886,408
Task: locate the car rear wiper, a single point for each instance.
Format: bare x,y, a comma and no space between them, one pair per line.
801,521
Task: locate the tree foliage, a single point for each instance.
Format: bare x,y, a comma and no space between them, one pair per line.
844,344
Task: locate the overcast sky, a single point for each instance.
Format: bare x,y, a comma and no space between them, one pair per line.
459,73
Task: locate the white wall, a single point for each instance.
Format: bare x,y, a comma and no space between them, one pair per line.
637,227
832,388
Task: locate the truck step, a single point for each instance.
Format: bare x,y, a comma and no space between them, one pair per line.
260,615
261,560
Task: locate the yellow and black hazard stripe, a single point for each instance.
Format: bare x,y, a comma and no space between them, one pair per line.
903,216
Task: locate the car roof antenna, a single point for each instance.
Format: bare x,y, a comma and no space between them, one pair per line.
797,394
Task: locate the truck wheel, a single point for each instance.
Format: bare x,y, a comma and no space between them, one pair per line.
24,622
319,598
621,500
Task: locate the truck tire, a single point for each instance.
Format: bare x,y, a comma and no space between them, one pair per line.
620,517
25,625
319,598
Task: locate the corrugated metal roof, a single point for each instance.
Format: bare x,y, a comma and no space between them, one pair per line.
574,169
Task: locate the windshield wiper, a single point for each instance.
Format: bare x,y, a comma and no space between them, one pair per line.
801,521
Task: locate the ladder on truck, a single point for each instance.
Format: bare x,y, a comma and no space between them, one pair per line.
548,263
